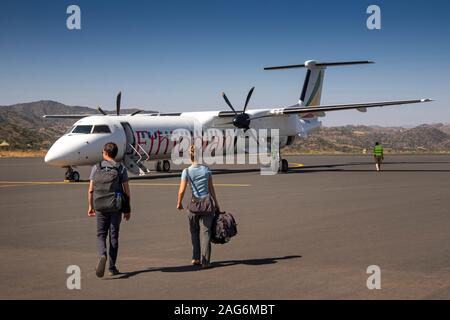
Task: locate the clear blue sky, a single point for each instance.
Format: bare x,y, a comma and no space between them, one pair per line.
179,55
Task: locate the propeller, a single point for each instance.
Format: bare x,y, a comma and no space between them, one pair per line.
118,103
119,98
241,120
136,112
101,111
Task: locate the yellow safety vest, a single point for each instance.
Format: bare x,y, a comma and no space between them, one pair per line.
378,151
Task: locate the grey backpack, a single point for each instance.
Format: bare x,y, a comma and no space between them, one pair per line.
107,189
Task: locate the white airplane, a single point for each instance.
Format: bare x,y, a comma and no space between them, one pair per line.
146,137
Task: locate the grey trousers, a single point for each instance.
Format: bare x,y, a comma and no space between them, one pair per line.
200,227
108,223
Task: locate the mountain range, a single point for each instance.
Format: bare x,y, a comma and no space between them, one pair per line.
425,138
23,128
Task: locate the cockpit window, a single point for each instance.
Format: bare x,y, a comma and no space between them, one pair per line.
82,129
69,130
101,129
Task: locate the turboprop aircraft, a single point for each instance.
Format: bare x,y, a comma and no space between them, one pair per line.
146,137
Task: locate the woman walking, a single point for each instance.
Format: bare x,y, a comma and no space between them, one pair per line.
201,207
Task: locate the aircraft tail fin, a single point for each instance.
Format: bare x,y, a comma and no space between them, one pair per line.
311,92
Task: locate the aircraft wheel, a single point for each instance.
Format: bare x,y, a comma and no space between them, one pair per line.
158,166
166,166
75,176
284,166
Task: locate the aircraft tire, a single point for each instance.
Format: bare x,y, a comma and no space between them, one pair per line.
284,166
75,176
166,166
158,166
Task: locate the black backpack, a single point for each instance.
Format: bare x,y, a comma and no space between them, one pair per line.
107,189
224,227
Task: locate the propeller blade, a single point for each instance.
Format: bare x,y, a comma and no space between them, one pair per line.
101,111
136,112
248,98
119,97
228,102
253,136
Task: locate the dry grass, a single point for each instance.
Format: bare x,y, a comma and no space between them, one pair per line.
22,154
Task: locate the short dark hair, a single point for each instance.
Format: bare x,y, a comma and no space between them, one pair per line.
111,149
377,143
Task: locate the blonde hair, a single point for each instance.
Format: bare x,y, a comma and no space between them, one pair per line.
192,152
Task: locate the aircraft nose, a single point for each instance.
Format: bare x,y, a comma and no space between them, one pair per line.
64,152
56,156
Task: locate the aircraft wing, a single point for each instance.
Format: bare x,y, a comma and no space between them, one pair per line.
84,115
359,106
320,110
67,116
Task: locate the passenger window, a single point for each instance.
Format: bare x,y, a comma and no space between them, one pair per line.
82,129
101,129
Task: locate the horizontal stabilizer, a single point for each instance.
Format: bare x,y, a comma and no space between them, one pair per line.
312,64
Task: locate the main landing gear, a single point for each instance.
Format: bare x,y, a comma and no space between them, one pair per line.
163,166
72,175
284,166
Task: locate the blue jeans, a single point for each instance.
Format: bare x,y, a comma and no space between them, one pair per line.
108,223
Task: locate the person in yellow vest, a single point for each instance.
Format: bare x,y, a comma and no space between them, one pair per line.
378,155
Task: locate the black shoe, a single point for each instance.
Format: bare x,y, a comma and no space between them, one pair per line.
100,268
113,272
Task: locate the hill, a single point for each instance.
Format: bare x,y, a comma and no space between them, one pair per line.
354,139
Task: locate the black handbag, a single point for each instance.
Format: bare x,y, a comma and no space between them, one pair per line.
126,207
201,206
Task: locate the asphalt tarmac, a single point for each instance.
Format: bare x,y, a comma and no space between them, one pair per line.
308,234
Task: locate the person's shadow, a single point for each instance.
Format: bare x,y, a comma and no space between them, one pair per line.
214,265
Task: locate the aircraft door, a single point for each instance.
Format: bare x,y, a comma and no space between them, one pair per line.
130,139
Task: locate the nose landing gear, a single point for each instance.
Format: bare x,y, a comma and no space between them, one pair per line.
72,175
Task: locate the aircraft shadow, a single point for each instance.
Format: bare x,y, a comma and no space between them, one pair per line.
177,173
214,265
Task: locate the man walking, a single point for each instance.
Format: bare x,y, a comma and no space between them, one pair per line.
378,155
108,181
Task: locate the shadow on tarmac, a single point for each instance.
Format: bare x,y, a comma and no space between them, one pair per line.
333,167
214,265
305,169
